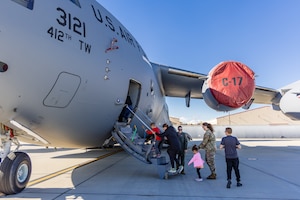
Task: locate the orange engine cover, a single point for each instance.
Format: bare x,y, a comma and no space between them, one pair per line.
231,84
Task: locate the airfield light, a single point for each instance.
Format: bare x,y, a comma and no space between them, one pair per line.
3,67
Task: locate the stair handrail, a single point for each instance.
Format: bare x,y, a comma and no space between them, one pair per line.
140,119
146,116
147,127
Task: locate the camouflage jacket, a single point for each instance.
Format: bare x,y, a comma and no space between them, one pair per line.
209,141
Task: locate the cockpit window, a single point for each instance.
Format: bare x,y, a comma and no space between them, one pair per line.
76,2
26,3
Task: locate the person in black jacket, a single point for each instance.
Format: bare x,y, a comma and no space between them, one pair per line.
183,140
124,116
174,145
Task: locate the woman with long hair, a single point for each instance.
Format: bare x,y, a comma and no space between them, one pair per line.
209,145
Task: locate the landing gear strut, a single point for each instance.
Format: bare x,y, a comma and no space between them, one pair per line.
15,167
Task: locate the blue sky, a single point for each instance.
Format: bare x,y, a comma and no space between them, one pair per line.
196,35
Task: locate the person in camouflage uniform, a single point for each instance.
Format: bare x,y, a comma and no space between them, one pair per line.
209,145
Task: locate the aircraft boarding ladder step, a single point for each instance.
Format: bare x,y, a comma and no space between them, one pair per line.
132,143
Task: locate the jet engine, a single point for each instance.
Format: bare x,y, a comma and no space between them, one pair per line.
290,101
230,85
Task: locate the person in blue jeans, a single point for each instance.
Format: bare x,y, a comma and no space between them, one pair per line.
231,144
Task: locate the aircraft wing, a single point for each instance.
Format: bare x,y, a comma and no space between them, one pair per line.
176,82
263,95
179,83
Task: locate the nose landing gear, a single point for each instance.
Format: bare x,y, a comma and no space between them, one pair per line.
15,167
15,171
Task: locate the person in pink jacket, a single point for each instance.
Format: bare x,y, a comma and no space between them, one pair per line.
198,162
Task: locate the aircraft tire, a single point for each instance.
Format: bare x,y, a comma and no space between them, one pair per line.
15,172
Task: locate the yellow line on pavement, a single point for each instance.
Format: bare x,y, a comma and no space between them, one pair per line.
60,172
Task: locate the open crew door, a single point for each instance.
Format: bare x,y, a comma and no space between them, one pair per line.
134,91
132,101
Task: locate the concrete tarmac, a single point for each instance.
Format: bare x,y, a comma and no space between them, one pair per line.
268,167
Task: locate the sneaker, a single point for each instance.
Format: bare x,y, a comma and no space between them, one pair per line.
228,184
147,142
239,184
172,170
180,169
199,179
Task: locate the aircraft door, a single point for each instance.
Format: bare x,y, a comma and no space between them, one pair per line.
132,100
134,92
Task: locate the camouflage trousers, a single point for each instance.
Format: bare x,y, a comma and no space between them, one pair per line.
210,160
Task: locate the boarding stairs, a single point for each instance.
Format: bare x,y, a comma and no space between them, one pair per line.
136,146
132,143
129,139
